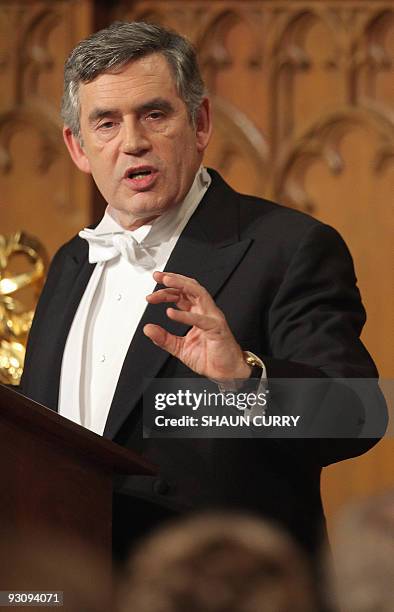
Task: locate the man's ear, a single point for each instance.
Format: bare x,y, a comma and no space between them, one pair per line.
76,151
203,125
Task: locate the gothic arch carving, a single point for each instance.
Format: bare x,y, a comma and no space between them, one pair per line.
290,58
373,57
290,42
49,135
34,54
214,53
322,142
239,142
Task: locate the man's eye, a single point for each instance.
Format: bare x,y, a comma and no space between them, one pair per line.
106,125
155,115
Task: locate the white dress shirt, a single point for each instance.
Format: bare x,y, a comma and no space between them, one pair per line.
113,304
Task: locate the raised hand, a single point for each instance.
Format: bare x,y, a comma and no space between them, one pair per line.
209,348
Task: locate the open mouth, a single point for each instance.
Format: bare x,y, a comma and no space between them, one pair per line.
141,178
138,174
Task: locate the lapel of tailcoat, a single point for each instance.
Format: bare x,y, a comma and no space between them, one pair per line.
55,312
75,277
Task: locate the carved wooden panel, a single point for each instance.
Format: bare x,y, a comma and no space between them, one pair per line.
303,106
40,191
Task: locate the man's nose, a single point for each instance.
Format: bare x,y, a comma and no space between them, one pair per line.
134,138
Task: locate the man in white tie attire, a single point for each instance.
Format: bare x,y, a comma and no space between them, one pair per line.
255,289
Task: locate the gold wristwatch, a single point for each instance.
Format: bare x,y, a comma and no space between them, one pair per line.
255,363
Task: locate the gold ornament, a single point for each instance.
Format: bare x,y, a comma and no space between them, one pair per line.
15,317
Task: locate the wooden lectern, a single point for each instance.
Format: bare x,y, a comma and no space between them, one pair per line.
58,474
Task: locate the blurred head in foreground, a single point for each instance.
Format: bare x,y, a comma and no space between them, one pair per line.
217,563
363,551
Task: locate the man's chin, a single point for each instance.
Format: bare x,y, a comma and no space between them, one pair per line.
130,218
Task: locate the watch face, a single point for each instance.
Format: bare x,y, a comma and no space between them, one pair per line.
253,360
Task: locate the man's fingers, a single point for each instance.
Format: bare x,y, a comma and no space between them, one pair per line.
164,295
191,289
178,281
163,339
169,296
204,322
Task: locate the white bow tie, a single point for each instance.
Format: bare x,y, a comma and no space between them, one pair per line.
108,246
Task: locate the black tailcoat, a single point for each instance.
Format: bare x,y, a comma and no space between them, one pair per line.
286,285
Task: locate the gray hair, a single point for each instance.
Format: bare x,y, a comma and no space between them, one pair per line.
114,47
